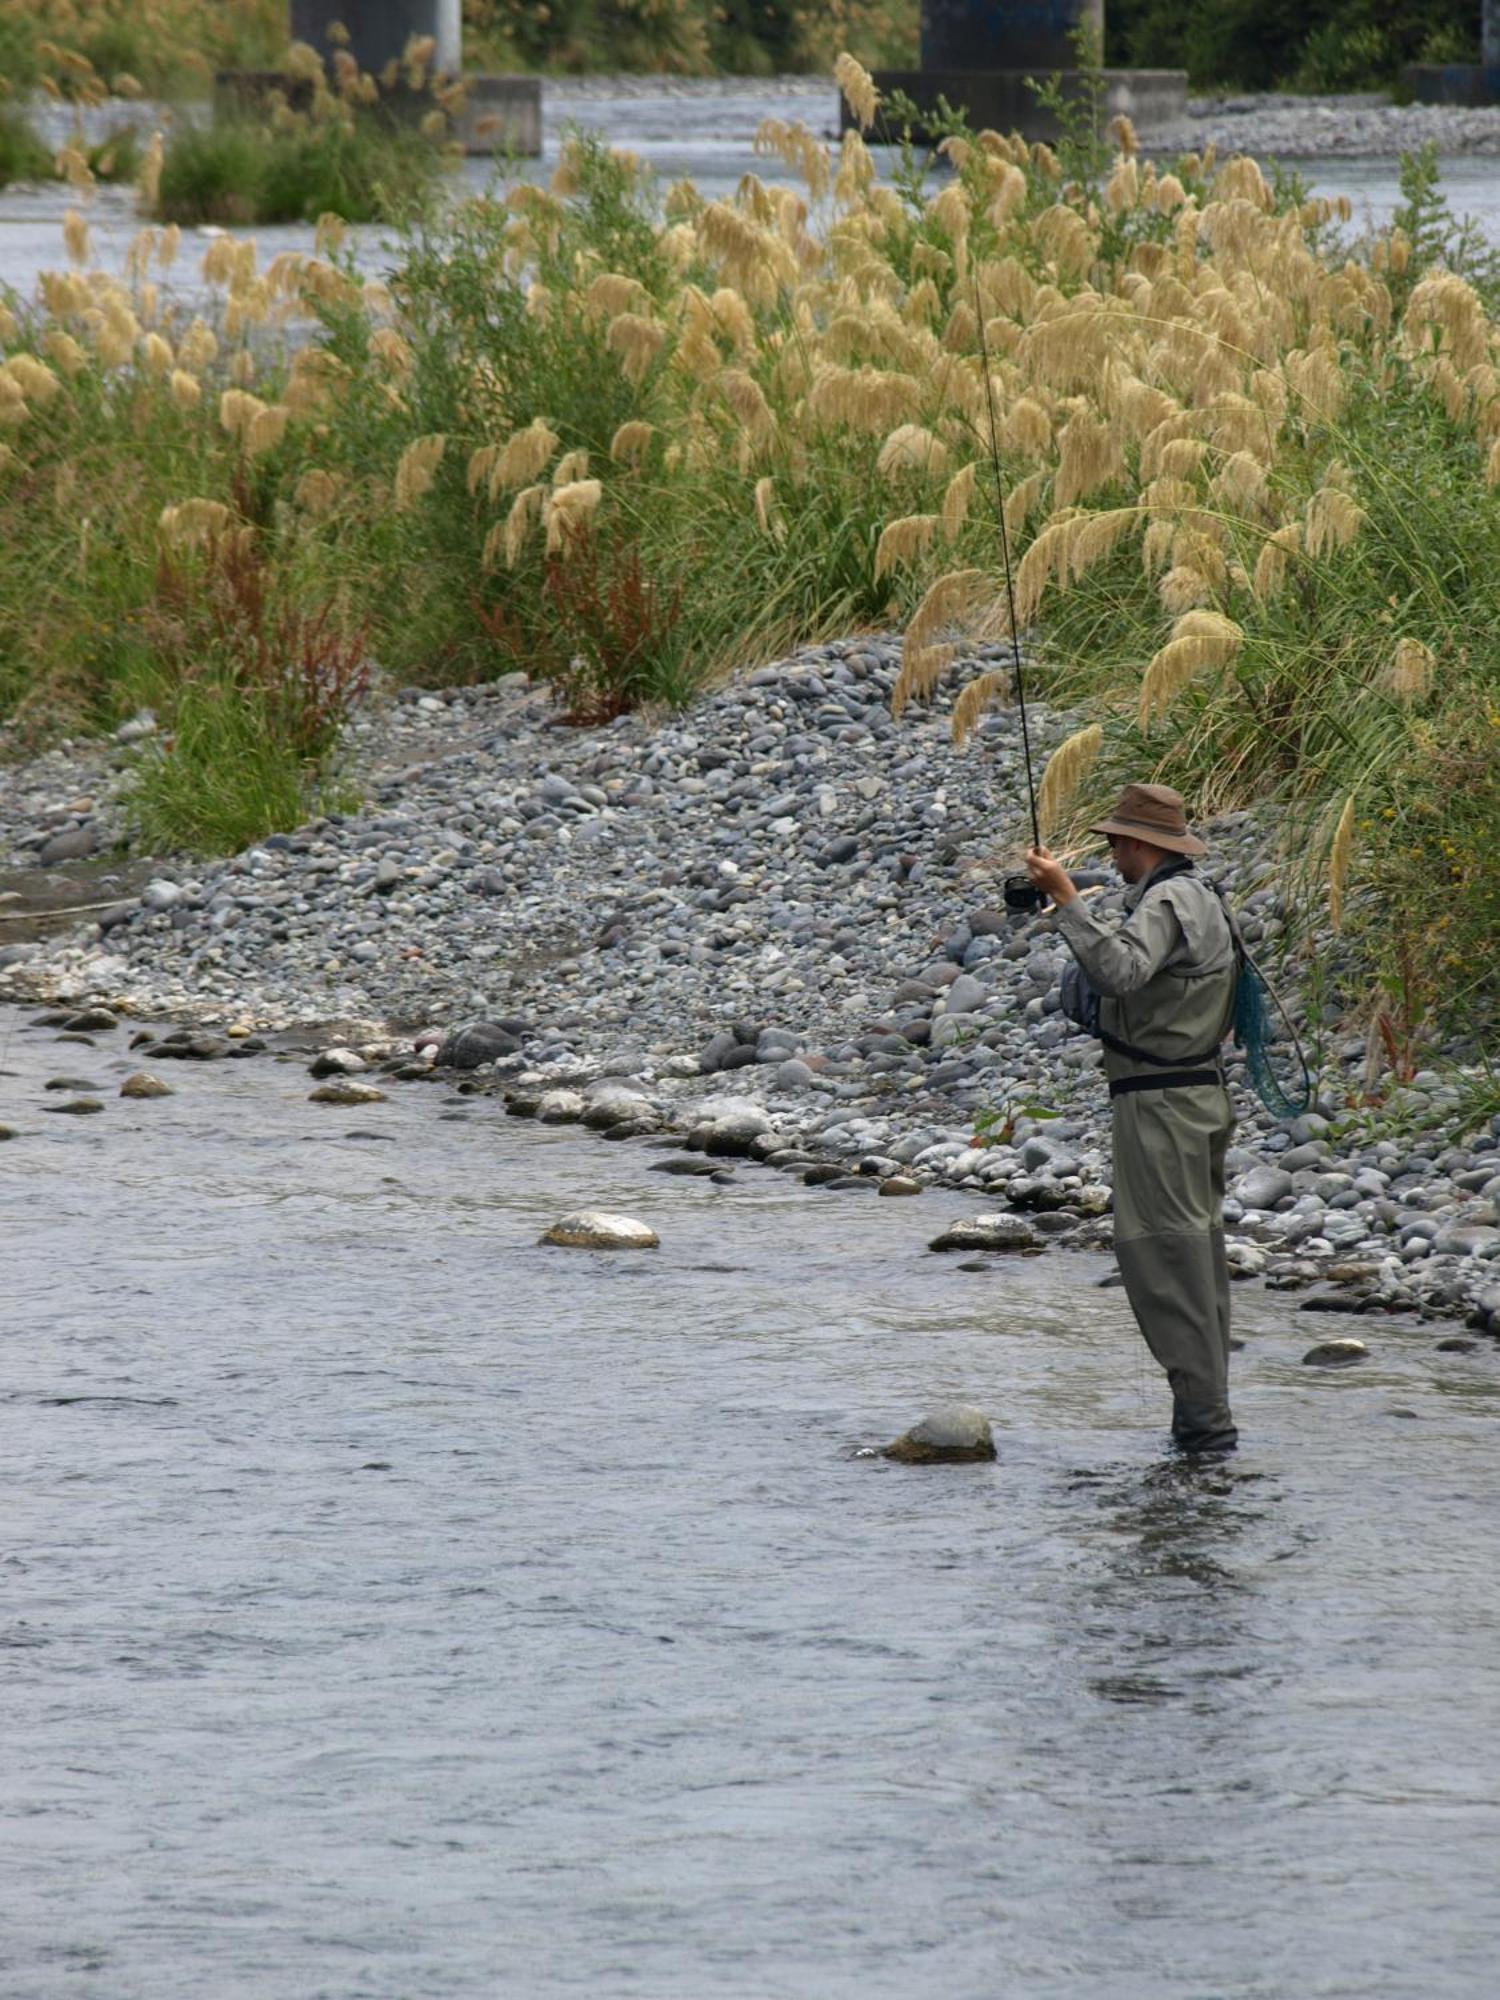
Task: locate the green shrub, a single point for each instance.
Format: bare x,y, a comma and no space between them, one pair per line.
238,171
23,157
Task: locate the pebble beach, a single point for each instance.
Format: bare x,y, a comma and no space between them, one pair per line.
771,925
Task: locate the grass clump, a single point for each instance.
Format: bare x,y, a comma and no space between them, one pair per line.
258,689
23,157
351,149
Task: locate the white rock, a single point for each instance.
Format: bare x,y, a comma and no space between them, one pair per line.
594,1229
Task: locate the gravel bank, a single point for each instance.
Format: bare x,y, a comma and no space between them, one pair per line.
781,903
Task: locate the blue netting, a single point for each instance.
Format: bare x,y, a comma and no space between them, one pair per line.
1255,1031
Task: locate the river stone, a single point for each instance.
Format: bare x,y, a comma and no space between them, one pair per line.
729,1127
80,1107
895,1184
348,1091
560,1107
1262,1187
952,1434
986,1232
336,1062
143,1084
72,844
614,1106
7,1132
1335,1353
594,1229
479,1042
1466,1239
92,1021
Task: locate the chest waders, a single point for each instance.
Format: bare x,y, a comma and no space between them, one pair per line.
1171,1121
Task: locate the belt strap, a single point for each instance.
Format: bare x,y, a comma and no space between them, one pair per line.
1172,1080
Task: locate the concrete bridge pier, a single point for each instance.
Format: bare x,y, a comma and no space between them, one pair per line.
498,114
379,30
979,55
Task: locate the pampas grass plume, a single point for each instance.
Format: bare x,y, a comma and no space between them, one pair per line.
1067,768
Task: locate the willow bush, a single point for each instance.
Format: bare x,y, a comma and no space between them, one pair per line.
628,442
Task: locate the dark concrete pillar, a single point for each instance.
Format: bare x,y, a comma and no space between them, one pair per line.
379,30
1034,35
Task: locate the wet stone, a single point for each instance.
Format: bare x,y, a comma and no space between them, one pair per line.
143,1084
596,1229
899,1184
1335,1353
951,1434
347,1091
77,1107
987,1232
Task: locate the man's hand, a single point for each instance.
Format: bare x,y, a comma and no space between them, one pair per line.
1049,875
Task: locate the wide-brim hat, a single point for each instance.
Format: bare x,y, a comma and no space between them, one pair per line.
1154,813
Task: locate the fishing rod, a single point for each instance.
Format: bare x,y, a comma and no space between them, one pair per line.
1021,893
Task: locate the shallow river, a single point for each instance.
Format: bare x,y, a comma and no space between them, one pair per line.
704,137
395,1608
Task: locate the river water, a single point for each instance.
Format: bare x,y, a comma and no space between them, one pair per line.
704,135
395,1609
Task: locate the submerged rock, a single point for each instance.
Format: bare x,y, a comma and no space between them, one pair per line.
952,1434
143,1084
595,1229
1335,1353
78,1106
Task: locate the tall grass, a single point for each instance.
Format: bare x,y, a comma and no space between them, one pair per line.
627,442
88,49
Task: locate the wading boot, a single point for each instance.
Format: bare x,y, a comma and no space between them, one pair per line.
1202,1428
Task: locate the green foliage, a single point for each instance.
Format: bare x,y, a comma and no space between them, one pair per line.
238,171
23,157
1437,235
255,689
689,37
1264,44
83,49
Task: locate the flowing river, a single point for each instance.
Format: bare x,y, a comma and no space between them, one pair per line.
395,1609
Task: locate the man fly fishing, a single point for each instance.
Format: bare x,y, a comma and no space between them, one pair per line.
1162,1000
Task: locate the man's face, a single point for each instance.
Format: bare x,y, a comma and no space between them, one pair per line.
1134,859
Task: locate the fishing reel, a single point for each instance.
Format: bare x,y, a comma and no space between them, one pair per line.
1022,897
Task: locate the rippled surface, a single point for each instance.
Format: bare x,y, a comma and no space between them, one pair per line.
394,1607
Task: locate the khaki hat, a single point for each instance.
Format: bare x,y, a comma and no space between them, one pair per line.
1154,813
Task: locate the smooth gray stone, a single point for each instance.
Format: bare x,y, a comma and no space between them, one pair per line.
966,993
1262,1187
74,843
987,1232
